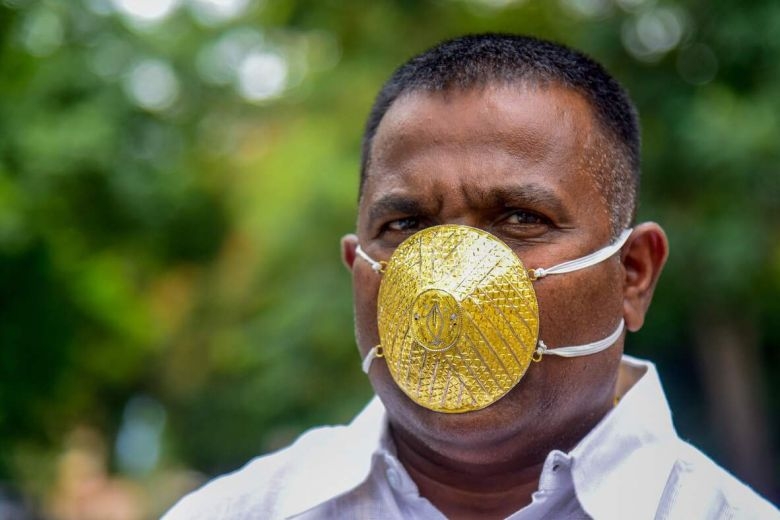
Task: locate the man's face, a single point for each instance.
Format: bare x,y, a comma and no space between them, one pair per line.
517,162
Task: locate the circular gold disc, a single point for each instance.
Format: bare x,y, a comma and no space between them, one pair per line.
458,318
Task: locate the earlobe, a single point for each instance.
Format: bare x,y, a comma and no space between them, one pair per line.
644,256
348,245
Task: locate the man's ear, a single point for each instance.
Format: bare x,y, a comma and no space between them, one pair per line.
644,256
348,245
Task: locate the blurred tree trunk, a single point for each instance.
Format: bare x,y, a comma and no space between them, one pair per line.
729,362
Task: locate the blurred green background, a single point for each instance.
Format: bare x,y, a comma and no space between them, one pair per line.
175,176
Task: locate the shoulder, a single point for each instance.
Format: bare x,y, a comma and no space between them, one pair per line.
320,465
697,487
256,490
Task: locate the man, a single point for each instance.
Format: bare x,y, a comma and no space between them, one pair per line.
495,269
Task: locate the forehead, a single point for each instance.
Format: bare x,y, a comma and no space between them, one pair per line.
483,138
528,119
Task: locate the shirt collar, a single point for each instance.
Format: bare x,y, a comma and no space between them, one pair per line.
629,441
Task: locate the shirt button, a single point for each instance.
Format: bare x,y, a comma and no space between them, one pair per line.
394,479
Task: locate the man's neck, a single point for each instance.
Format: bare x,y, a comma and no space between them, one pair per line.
500,485
458,491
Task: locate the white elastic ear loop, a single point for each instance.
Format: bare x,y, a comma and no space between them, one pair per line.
371,356
586,261
582,350
376,266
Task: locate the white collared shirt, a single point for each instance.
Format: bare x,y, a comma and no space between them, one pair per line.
631,465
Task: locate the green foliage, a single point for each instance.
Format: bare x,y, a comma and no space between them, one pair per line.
169,231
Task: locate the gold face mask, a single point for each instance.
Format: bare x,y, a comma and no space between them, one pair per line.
458,317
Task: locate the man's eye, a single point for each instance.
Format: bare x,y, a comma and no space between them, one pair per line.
403,224
525,217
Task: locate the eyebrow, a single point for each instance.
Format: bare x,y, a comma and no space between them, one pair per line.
532,195
393,204
535,195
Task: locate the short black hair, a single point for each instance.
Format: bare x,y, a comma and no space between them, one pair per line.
474,61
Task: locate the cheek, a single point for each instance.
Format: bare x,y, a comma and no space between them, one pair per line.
365,287
577,308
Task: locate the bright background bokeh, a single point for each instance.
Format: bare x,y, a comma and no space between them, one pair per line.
175,176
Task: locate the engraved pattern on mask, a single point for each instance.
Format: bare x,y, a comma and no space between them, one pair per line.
435,320
458,318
